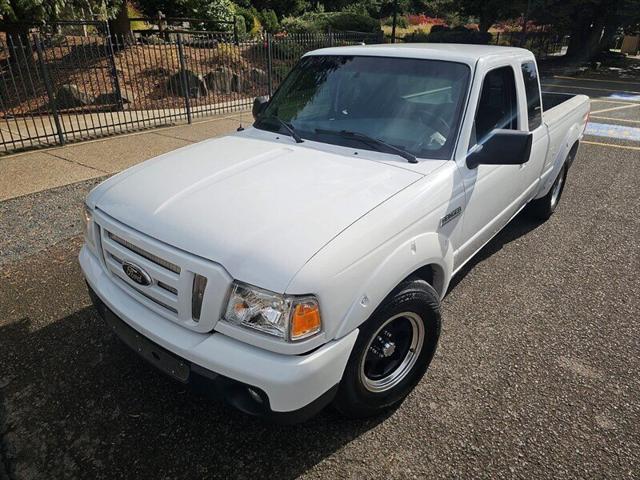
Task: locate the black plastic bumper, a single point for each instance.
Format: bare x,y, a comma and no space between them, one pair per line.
246,398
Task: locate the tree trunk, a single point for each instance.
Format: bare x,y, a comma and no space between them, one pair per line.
121,25
578,40
585,39
486,21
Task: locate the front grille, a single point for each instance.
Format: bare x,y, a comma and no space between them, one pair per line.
168,288
172,273
149,256
153,299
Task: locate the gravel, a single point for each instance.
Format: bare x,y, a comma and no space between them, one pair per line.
33,222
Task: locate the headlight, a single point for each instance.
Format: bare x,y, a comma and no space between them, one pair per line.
87,218
288,317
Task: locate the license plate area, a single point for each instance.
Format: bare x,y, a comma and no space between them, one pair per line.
154,354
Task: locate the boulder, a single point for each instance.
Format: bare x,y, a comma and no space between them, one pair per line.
196,85
236,83
220,80
259,76
111,98
70,96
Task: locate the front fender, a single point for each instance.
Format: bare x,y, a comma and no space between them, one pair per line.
425,249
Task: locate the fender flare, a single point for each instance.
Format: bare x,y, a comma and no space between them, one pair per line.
571,138
417,252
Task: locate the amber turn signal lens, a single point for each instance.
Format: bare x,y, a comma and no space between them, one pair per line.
305,320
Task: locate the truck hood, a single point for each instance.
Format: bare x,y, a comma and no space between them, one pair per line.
260,209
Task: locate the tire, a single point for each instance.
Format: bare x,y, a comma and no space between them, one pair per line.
543,208
371,384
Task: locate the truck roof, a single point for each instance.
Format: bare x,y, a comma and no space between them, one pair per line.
434,51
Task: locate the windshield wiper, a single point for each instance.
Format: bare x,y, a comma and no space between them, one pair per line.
371,140
287,126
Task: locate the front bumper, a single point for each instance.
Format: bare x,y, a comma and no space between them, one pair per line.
290,384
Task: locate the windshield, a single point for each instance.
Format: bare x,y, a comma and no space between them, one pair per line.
412,104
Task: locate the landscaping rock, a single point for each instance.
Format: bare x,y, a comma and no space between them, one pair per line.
220,80
70,96
197,87
236,82
259,76
111,98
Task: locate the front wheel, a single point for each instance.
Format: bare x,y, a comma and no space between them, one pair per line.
392,352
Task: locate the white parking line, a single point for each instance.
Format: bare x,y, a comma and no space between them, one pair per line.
616,108
579,87
628,147
602,100
614,119
595,80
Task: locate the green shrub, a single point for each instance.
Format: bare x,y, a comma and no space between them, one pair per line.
352,21
450,36
241,27
401,22
269,21
219,11
339,21
286,49
298,25
247,16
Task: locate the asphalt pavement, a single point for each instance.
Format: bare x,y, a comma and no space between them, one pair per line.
536,375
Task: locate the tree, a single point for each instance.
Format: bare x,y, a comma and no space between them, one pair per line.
282,8
592,24
489,12
269,21
16,15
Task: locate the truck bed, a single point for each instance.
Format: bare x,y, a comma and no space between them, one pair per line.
552,99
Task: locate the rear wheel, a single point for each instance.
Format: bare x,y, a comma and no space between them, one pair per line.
392,352
543,208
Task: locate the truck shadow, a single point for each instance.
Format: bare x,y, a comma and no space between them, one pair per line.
518,227
78,403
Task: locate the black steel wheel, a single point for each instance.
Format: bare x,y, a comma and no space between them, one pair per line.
392,352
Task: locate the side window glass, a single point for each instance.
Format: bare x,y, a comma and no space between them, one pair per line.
530,75
498,106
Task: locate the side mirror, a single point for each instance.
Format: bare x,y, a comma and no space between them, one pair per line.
501,147
259,105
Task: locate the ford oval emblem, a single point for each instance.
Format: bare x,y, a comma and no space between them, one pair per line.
137,274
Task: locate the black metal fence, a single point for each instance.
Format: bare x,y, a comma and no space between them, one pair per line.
57,88
77,81
543,44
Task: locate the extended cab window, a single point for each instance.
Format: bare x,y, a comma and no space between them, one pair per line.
497,107
530,75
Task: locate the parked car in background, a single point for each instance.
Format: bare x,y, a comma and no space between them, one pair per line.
303,261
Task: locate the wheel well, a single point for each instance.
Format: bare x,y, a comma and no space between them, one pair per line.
432,274
572,153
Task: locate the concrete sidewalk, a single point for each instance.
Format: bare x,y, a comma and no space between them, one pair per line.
34,171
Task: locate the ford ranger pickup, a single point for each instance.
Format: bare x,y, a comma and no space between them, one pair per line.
302,261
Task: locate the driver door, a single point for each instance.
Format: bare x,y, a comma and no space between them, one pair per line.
491,190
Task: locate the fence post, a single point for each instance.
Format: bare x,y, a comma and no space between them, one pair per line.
330,32
269,64
183,77
47,85
113,68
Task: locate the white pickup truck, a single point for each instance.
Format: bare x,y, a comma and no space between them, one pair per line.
303,260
